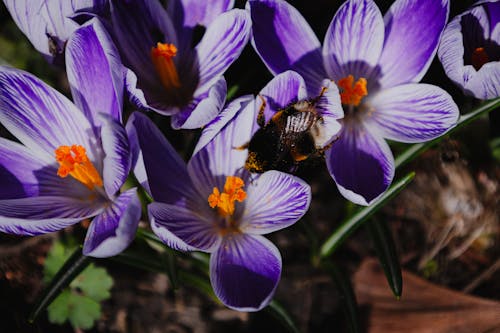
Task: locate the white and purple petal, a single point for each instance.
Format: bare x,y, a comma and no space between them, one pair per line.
407,52
413,112
245,271
221,45
24,174
113,230
202,109
361,163
354,40
43,214
218,156
284,40
166,171
117,158
95,72
42,118
284,89
459,40
194,12
183,228
137,27
329,107
48,23
275,200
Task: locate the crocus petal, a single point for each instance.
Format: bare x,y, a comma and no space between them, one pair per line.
482,84
221,45
219,155
117,160
274,201
24,174
408,52
202,109
284,40
330,109
354,40
48,24
361,164
114,229
182,229
486,83
139,26
226,115
167,174
245,271
40,117
493,9
413,112
38,215
95,72
194,12
284,89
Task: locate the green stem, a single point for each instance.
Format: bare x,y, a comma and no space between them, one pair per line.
355,221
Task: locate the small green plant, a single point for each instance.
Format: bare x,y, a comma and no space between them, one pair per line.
80,302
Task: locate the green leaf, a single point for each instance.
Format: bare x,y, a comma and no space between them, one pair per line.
73,266
94,282
387,255
347,297
419,148
353,222
58,310
83,311
279,313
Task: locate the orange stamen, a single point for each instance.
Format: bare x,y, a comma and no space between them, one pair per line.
352,93
161,56
233,191
479,58
73,161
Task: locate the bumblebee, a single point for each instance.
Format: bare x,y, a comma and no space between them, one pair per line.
287,139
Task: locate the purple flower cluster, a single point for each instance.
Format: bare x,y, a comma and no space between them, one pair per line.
72,159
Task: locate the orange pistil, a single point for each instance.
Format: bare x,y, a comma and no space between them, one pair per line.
233,191
73,161
352,92
162,55
479,58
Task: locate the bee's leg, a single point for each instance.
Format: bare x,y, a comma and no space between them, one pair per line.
321,151
261,119
321,93
297,155
242,147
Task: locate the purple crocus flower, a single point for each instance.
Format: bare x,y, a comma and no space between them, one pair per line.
170,75
470,50
48,23
213,205
72,159
375,61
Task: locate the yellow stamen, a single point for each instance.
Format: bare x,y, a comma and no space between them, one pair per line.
233,191
479,58
73,161
352,93
162,55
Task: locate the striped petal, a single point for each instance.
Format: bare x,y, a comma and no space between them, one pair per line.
413,112
245,271
274,201
183,229
113,230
